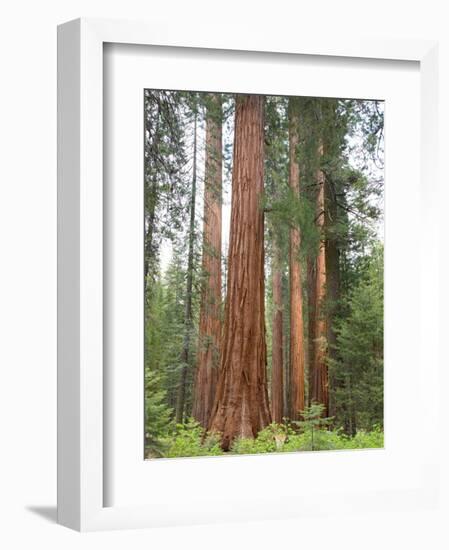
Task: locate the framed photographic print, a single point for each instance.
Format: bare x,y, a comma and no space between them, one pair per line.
236,336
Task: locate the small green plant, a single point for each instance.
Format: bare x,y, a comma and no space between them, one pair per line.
312,424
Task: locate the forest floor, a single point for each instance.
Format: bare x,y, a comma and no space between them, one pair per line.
191,440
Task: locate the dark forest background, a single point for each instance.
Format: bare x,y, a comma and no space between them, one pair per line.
263,273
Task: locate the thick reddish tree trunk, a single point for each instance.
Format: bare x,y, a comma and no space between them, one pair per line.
297,355
210,307
277,366
241,406
320,383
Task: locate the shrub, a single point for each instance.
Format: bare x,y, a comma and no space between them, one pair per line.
282,438
269,440
190,439
366,440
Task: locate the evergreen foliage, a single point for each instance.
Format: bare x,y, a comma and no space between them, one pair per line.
157,416
359,368
190,439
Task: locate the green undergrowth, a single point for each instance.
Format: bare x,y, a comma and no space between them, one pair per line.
191,440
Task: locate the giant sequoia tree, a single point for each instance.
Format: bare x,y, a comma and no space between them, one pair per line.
297,356
319,368
210,309
241,407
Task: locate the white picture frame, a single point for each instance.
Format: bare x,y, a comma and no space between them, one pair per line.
81,488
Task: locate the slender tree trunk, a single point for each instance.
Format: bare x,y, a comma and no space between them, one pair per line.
149,222
332,259
277,366
188,320
320,383
241,406
297,356
311,308
332,249
286,344
349,419
151,199
210,306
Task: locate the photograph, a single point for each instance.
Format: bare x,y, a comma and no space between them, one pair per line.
263,273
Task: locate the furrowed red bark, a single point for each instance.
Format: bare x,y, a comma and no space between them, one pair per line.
210,306
241,406
277,366
297,356
320,382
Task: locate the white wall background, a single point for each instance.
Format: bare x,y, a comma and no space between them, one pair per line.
28,270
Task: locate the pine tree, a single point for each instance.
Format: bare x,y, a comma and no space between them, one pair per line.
157,416
188,318
359,367
165,187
